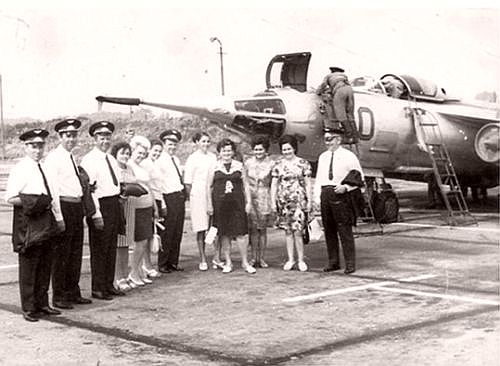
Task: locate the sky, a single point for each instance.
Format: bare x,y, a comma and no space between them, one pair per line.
55,60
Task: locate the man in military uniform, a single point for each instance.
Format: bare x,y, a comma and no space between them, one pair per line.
102,170
37,220
174,197
341,101
67,259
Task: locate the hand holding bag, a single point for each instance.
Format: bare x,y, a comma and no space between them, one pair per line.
156,240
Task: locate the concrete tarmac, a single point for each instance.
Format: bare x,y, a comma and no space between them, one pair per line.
424,293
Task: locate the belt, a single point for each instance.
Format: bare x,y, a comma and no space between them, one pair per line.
328,187
70,199
172,193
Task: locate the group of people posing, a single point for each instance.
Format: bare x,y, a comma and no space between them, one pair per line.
132,192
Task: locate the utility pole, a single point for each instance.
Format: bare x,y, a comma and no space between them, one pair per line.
213,39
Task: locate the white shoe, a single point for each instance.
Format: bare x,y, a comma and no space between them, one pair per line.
263,264
151,273
203,266
227,268
146,280
132,282
288,265
302,266
217,264
249,269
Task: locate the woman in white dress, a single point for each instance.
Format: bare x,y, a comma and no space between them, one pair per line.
196,171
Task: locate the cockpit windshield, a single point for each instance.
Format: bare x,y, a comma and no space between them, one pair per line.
275,106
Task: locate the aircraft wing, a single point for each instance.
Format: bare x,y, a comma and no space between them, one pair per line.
241,122
217,115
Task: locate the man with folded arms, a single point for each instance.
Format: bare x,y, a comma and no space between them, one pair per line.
36,221
102,170
67,253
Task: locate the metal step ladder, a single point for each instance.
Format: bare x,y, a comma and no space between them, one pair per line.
431,140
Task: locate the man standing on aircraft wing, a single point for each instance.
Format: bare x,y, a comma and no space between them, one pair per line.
341,101
339,173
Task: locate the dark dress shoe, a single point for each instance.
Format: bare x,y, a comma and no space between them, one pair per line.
50,311
174,267
31,316
101,295
81,301
349,270
114,292
331,268
62,304
164,270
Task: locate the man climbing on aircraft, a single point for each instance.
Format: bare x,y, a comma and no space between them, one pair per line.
341,101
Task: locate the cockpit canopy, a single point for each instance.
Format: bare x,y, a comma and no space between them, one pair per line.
402,87
290,71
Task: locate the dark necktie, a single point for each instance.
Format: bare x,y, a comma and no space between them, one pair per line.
74,167
115,181
330,171
44,180
178,172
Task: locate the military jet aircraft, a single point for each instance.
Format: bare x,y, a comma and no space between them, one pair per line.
391,143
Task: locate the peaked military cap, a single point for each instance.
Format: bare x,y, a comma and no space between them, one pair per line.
67,125
101,127
35,135
333,131
336,69
171,134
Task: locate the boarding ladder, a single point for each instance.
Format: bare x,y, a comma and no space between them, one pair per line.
431,141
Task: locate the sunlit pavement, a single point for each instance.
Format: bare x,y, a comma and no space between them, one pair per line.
423,293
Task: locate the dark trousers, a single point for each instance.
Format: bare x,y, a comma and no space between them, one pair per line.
171,237
103,245
337,222
67,254
34,276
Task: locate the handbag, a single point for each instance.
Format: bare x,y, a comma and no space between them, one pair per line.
132,189
155,244
211,234
315,230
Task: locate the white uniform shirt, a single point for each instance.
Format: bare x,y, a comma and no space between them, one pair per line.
155,182
61,171
343,162
97,168
25,177
170,181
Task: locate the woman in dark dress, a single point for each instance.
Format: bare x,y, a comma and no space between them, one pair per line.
226,199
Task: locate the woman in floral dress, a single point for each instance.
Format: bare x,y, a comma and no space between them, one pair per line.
257,171
291,198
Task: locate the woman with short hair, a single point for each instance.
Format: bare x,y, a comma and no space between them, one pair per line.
258,201
196,171
141,214
227,201
291,197
121,152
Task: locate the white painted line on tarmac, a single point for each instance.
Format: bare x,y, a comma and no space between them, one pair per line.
336,292
440,296
417,278
470,228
